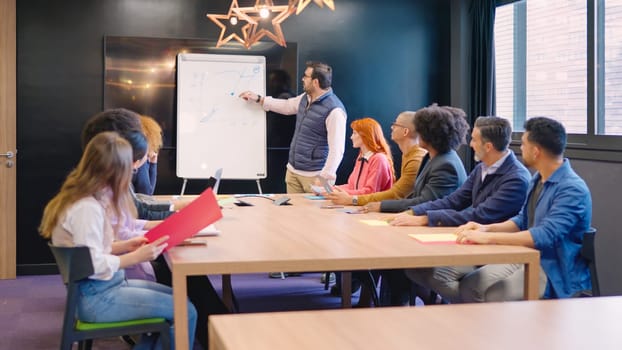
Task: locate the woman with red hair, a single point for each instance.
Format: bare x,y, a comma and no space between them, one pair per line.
373,172
373,169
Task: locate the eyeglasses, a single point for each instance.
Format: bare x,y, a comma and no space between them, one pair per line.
393,125
306,76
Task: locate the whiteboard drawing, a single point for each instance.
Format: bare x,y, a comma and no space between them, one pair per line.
215,128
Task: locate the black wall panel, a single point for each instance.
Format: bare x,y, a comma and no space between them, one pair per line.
387,56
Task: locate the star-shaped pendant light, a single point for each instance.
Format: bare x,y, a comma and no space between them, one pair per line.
234,23
248,25
301,4
268,19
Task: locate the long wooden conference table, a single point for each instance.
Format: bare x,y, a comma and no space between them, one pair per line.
304,237
584,323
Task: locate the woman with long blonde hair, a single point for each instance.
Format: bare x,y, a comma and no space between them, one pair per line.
373,169
94,194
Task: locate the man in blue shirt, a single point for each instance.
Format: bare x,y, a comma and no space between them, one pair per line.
554,218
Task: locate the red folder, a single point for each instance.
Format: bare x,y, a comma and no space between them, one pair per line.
185,223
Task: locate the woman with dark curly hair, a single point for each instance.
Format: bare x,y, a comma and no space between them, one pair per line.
441,131
442,128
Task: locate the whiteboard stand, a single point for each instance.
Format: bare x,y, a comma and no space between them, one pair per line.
183,187
259,187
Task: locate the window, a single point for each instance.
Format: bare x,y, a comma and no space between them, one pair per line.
610,57
553,60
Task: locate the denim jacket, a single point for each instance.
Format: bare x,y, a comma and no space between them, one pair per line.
563,214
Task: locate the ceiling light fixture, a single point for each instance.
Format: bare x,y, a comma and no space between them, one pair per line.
301,4
230,26
262,20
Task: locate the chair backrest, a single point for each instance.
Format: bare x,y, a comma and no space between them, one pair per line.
74,263
588,252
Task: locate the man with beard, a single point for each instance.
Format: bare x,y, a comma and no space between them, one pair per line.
494,191
553,219
319,139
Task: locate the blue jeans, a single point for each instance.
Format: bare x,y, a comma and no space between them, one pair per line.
119,299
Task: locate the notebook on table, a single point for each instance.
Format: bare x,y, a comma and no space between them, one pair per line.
209,230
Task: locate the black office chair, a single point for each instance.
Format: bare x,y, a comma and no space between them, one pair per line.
75,264
588,252
369,288
368,285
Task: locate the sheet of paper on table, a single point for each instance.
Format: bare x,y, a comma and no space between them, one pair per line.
434,237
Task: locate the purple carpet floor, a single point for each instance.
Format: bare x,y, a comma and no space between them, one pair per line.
31,307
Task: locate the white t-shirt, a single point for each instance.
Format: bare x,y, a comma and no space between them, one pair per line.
85,223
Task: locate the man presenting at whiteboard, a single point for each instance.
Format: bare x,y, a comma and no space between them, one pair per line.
319,139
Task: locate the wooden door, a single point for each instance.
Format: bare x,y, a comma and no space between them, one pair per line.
8,162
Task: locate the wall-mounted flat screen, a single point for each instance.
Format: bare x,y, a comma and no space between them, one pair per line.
140,73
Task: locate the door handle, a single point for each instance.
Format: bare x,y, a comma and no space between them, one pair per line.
8,154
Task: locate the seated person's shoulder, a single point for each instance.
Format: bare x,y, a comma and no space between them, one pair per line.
452,161
520,170
420,152
577,184
518,165
88,202
379,157
85,206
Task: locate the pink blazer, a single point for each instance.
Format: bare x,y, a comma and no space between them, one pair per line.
375,176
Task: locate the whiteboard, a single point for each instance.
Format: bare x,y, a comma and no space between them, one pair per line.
216,128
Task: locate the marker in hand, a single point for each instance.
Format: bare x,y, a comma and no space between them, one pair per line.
244,95
250,96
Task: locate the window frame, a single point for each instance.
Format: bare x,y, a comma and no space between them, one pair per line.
591,145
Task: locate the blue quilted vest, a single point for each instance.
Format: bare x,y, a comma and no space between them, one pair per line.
309,148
